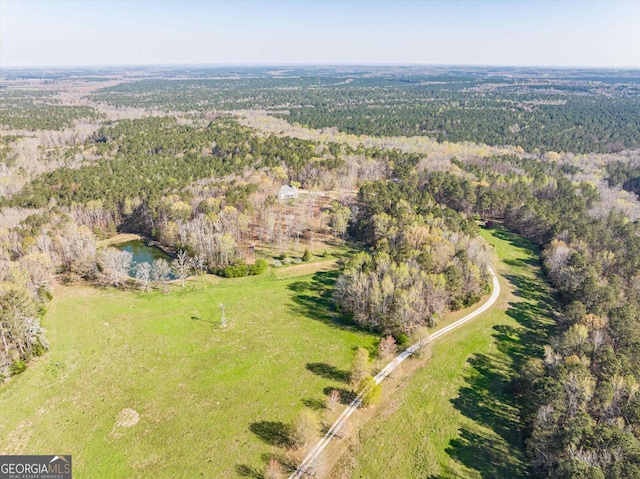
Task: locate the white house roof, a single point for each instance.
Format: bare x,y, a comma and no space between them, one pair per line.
287,191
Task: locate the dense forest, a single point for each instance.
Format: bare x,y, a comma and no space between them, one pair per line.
150,157
425,260
32,109
624,174
594,115
579,399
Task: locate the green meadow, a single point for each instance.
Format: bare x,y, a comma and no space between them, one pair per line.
456,416
139,385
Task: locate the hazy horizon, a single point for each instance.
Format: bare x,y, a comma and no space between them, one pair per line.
307,65
483,33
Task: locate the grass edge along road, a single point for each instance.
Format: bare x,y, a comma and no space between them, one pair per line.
458,417
388,370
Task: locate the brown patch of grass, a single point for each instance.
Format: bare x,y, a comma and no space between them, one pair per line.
17,439
119,238
306,269
127,418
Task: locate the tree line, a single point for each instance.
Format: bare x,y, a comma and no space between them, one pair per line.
424,260
555,114
579,401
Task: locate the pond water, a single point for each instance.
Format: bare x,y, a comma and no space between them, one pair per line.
142,253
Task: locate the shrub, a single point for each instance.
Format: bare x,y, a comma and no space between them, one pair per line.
307,255
456,303
18,366
402,341
240,270
235,271
38,349
471,300
45,293
259,267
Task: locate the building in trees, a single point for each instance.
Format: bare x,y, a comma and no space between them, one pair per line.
287,192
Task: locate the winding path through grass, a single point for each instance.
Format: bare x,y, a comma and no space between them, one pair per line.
460,417
386,371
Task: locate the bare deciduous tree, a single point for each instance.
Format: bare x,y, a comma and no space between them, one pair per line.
303,428
333,399
420,336
143,275
116,264
160,273
182,266
317,468
273,470
345,430
200,264
387,347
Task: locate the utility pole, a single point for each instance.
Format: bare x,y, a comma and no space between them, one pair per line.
223,320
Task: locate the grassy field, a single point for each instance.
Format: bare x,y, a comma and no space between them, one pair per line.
456,416
141,385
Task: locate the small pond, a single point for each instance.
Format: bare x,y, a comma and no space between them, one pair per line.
142,253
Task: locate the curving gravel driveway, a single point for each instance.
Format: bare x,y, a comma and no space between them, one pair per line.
308,461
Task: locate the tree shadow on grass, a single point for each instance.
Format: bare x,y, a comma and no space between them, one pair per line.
487,400
521,262
529,288
247,471
328,371
287,463
346,395
492,458
313,299
528,340
313,403
492,396
208,322
515,240
275,433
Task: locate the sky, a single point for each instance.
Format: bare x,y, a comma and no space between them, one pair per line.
598,33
